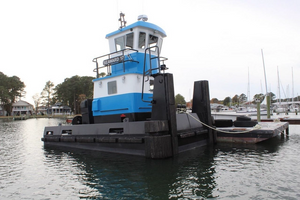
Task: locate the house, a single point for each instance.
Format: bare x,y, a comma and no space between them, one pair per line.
21,108
59,109
41,110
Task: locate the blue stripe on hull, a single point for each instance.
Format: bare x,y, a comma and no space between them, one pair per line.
121,104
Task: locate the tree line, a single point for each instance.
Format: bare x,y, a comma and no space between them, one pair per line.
238,100
11,90
70,93
74,90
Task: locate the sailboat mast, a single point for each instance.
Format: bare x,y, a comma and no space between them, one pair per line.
279,97
267,94
262,53
248,91
292,86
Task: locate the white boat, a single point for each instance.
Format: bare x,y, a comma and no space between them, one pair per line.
251,111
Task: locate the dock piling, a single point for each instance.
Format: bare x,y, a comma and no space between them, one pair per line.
201,106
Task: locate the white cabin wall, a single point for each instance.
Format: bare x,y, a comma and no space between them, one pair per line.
128,83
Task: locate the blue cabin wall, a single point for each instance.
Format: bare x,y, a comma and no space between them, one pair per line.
121,104
129,102
135,67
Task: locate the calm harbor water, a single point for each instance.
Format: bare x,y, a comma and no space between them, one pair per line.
28,170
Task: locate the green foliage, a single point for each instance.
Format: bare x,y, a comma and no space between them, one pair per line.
226,101
11,88
74,90
273,97
235,99
214,100
242,98
260,97
179,99
102,74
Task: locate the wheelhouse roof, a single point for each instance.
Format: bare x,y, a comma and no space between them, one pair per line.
139,24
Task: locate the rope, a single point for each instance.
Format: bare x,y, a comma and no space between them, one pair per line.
256,127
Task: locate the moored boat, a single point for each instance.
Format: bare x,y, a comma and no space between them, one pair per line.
133,109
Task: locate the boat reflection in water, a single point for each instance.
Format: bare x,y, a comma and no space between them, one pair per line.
202,173
111,176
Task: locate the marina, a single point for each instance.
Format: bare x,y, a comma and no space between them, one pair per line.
146,123
30,170
117,119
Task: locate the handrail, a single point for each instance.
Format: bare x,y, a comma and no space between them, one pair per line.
110,55
149,71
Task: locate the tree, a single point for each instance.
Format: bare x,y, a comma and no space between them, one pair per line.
47,93
259,97
37,100
11,89
272,97
242,98
235,99
179,99
227,101
102,74
214,100
74,90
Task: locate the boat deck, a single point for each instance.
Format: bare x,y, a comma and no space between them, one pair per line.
265,131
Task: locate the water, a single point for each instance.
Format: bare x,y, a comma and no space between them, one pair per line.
28,170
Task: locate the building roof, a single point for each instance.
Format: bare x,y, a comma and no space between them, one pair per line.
22,103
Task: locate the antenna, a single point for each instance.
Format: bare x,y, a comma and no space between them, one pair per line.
122,20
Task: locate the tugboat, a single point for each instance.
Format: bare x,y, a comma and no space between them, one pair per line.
133,108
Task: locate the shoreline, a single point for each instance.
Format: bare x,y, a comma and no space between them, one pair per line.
40,116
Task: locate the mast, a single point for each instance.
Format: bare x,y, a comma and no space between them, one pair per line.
267,94
248,91
292,87
279,97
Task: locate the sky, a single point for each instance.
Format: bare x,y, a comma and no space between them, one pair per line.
215,40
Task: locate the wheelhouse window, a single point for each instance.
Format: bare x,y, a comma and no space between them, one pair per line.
142,40
153,42
129,40
112,87
120,43
123,42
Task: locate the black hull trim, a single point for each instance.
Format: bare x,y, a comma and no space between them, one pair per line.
126,149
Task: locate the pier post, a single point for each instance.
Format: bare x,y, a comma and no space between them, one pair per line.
258,110
163,108
201,106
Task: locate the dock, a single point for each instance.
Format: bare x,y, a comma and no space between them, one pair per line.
294,121
261,132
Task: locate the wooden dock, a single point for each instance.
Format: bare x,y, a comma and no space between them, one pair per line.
294,121
262,132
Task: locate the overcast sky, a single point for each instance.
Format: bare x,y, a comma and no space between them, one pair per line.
212,40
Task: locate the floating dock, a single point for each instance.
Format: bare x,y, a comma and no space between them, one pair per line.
261,132
294,121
